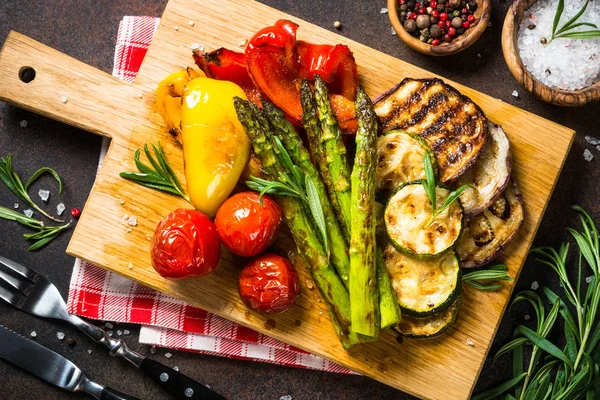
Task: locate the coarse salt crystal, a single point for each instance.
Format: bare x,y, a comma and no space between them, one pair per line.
60,208
119,332
470,342
130,220
478,55
286,397
242,42
176,368
393,31
535,285
176,27
168,355
23,124
64,99
587,155
197,46
130,265
383,11
592,140
153,350
33,334
60,335
16,205
28,213
44,194
110,333
89,351
527,317
126,332
192,23
108,325
589,279
515,94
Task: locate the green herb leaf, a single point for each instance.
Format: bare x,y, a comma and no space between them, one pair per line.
40,172
12,215
569,24
498,390
559,10
513,344
429,183
579,35
452,197
493,273
545,345
314,203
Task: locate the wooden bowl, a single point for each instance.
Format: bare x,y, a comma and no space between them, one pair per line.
482,15
559,97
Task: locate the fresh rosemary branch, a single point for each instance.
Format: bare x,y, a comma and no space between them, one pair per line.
160,176
430,188
480,279
566,31
565,372
11,179
44,234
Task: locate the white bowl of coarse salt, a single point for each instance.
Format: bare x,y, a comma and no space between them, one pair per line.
559,67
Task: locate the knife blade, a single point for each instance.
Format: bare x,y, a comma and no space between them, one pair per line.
51,367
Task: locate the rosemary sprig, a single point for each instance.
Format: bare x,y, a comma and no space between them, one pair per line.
160,176
12,180
44,234
572,370
566,31
429,185
480,279
297,184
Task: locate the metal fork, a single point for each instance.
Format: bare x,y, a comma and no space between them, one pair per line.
33,293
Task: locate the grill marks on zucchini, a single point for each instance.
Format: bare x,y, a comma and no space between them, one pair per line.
423,287
486,235
429,327
399,160
452,125
409,223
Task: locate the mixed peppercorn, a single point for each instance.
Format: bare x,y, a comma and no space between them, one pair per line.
434,22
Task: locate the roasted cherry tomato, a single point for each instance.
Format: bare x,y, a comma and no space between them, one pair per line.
269,283
245,226
185,244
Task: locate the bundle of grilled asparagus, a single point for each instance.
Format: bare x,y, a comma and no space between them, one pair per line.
338,239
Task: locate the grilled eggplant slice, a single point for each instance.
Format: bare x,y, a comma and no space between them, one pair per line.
409,224
486,235
489,176
451,124
423,287
400,158
428,327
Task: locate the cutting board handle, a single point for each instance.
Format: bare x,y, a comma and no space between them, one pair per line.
35,77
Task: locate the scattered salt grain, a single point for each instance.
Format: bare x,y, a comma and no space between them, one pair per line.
589,279
64,99
33,334
130,219
168,355
470,342
28,213
164,377
176,27
393,31
189,392
208,386
197,46
16,205
129,230
23,124
535,285
489,24
44,194
126,332
573,62
108,325
337,25
242,42
109,333
152,350
598,147
130,265
478,55
60,208
587,155
176,368
192,23
286,397
60,335
515,94
527,317
383,11
89,351
592,140
119,332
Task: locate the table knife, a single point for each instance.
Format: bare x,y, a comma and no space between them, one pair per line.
51,367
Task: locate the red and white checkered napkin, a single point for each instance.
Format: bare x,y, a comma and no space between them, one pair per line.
168,322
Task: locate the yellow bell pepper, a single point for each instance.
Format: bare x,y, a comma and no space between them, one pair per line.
215,146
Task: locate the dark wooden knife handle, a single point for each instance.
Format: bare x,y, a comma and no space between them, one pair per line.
178,385
112,394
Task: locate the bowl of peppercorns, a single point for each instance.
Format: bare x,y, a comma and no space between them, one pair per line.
439,27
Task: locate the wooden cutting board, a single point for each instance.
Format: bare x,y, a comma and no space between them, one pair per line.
441,368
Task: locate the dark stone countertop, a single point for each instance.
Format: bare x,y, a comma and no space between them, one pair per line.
87,31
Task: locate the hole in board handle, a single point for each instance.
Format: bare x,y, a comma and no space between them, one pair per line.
26,74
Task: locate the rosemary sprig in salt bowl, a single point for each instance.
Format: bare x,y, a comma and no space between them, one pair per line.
567,31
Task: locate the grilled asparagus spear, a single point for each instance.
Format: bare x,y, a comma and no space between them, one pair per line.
363,290
389,309
333,162
305,234
301,157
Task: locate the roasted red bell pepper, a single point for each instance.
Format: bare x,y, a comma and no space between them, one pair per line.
228,65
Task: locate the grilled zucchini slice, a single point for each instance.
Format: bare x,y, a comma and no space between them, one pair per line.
423,287
486,235
410,227
400,158
489,175
429,327
451,123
